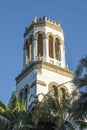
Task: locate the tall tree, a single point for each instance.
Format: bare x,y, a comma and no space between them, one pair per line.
51,114
15,113
80,79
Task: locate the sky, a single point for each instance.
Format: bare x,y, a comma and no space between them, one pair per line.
15,15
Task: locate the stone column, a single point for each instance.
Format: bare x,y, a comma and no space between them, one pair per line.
45,49
62,55
53,48
24,58
34,48
27,57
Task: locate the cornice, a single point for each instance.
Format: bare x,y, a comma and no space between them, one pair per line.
44,65
40,82
42,23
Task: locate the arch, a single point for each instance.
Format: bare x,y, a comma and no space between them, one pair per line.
63,92
53,89
50,34
26,43
37,33
21,95
26,51
39,36
57,90
61,41
26,91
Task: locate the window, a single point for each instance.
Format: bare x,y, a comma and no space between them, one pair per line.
40,45
57,48
62,94
27,52
50,46
21,95
26,92
54,91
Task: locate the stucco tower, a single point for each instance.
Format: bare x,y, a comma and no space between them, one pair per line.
44,64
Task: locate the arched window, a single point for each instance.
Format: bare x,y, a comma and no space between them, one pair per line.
26,91
62,94
54,91
50,46
57,48
40,45
27,51
21,95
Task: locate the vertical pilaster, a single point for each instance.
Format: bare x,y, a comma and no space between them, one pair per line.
34,53
62,56
24,58
27,57
45,49
53,48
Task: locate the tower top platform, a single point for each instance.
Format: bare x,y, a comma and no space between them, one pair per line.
44,21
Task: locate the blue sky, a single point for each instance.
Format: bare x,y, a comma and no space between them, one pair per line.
15,15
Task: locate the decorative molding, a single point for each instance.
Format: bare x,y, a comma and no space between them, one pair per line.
39,32
43,22
40,82
44,65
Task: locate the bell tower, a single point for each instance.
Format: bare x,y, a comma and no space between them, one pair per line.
44,64
44,40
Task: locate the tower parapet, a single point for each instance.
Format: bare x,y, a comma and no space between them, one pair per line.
43,22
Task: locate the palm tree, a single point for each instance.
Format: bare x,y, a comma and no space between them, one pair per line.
80,79
51,114
4,122
15,113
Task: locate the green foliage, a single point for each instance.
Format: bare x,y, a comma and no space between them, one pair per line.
80,107
80,78
15,112
50,113
3,108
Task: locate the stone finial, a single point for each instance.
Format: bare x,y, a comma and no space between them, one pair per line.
59,24
55,22
35,19
45,18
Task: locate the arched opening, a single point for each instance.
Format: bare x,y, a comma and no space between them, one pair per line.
26,91
53,88
40,45
63,94
50,46
57,48
55,91
27,52
58,91
21,96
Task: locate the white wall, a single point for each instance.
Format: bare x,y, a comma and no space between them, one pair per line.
48,77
